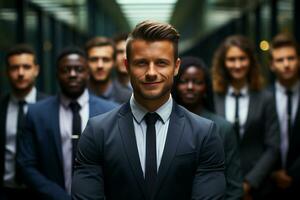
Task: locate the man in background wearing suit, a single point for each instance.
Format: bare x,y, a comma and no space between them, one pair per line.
22,70
285,63
150,147
53,127
101,53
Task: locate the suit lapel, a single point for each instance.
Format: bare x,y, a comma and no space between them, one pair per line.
174,134
54,116
92,109
3,111
297,118
220,104
127,134
252,109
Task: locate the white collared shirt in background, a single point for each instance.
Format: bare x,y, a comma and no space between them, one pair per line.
281,107
65,125
243,107
11,133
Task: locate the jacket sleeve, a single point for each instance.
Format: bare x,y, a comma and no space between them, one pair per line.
88,180
28,162
209,181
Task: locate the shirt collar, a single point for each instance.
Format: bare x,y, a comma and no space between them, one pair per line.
244,91
282,89
29,98
82,99
139,111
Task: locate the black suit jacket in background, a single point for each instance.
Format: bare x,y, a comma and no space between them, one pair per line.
3,112
108,165
293,157
259,145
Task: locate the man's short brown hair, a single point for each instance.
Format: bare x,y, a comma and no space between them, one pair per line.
100,42
20,49
153,31
283,40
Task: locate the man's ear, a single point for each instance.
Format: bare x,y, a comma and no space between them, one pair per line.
177,65
37,70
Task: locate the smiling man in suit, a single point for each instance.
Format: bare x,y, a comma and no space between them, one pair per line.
150,148
53,127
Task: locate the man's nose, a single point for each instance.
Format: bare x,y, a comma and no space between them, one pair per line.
21,71
100,63
286,62
151,69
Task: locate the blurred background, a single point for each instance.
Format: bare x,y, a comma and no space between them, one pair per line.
50,25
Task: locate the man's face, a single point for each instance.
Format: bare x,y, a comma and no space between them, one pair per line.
22,71
191,86
285,63
72,75
237,63
151,68
101,61
121,55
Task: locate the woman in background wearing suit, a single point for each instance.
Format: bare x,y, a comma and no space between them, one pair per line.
239,97
193,90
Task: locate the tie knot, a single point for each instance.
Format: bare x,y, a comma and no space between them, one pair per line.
75,107
289,93
151,118
236,94
21,103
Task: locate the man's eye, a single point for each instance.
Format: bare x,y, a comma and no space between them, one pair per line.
161,63
93,59
27,66
141,63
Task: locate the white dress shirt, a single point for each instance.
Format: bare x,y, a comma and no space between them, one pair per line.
65,125
243,107
281,106
140,127
11,132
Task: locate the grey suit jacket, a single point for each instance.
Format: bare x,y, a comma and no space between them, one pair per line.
192,165
234,180
260,143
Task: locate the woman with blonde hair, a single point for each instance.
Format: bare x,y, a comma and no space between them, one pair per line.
238,95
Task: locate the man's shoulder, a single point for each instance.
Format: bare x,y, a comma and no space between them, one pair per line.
45,104
105,119
194,120
98,101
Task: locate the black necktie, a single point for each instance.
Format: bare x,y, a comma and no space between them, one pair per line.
76,126
289,112
236,116
20,124
151,166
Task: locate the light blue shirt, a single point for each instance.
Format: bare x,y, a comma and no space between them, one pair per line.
140,127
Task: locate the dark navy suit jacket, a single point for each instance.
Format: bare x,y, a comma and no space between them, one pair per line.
192,165
40,156
3,112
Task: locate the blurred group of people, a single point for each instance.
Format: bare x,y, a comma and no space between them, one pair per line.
257,123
